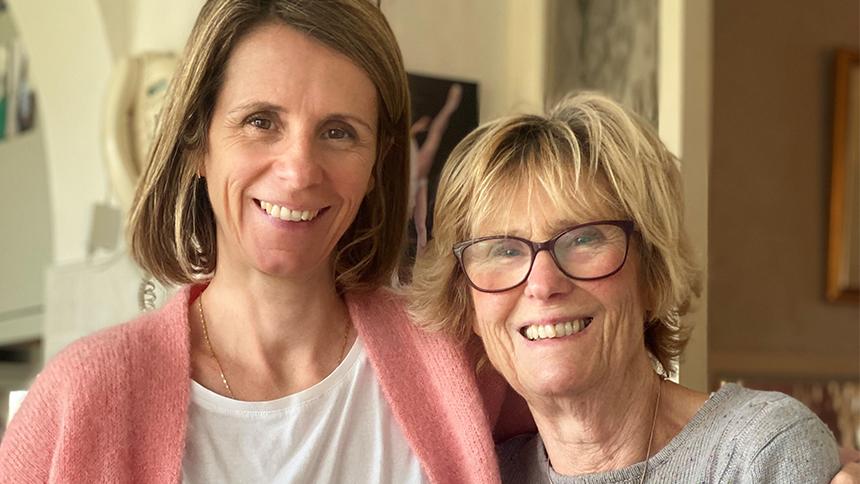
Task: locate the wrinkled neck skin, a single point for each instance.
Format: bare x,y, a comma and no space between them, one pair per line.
604,427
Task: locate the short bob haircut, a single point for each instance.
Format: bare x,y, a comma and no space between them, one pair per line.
595,161
171,224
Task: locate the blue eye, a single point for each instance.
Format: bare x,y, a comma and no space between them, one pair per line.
506,252
585,239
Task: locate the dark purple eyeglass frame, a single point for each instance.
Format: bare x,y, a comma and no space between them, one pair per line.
627,225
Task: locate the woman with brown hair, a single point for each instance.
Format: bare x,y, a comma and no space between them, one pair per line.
276,194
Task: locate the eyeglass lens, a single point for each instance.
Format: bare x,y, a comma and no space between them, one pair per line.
585,252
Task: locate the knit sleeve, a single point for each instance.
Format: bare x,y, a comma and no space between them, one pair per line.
28,446
59,431
801,450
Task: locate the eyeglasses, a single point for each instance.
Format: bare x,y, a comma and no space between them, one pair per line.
584,252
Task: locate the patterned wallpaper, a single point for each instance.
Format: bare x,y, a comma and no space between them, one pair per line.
606,45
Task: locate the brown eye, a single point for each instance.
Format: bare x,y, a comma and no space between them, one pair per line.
337,134
260,123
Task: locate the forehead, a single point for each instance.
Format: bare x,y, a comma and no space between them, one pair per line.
279,64
538,212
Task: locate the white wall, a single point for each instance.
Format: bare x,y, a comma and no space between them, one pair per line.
155,31
498,43
70,62
685,126
73,46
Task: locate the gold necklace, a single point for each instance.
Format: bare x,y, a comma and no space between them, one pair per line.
650,439
218,362
651,434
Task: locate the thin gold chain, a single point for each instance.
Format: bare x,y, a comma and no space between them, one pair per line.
651,434
212,350
346,332
650,439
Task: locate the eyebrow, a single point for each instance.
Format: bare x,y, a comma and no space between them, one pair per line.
256,106
267,106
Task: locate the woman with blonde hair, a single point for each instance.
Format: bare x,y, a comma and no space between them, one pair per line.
559,244
276,194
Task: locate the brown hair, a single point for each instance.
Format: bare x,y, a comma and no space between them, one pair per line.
171,224
594,159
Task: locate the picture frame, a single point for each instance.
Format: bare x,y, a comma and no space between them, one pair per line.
843,246
444,111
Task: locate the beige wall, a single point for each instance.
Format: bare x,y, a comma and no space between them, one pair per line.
684,95
769,188
498,43
69,61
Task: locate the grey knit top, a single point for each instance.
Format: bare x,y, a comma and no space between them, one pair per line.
738,436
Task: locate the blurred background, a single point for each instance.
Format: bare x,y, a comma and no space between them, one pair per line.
759,98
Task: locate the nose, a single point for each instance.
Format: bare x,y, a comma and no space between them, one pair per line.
546,280
296,162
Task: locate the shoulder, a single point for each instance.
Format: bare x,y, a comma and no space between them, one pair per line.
92,390
754,412
121,345
777,438
98,360
380,314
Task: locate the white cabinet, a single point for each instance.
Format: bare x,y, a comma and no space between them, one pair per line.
25,236
25,220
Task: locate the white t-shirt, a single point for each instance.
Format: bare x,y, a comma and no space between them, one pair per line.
339,430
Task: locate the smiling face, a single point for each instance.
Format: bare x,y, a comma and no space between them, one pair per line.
610,310
292,145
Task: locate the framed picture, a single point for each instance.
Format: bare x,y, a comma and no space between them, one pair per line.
444,111
843,250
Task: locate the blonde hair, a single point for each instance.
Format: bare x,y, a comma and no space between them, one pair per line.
171,224
594,160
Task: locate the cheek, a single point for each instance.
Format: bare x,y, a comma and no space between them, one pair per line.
484,311
491,315
624,305
353,178
491,312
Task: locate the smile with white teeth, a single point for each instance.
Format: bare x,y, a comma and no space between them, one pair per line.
284,213
560,330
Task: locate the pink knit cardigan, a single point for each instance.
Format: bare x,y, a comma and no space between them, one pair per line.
112,407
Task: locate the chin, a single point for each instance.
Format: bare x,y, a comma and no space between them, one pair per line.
553,382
